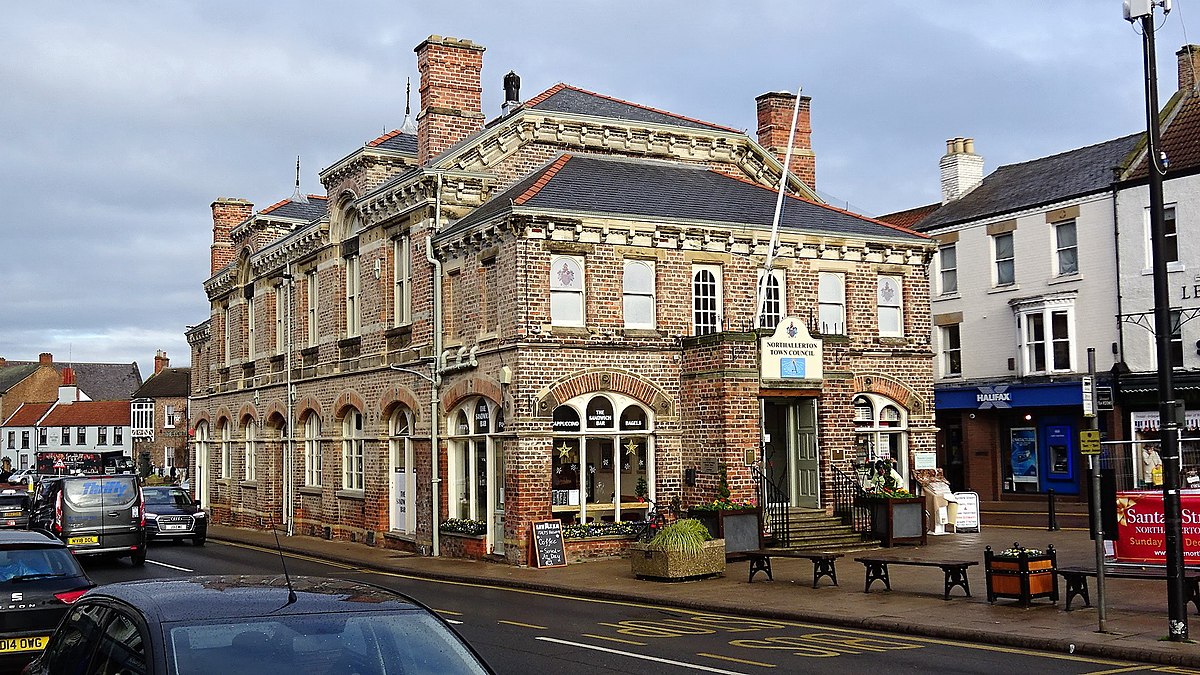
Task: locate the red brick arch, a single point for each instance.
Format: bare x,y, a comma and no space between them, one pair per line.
472,386
223,414
885,385
348,399
398,396
605,380
202,416
247,410
275,410
308,406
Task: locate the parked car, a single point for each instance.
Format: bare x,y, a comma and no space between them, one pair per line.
94,515
253,624
39,579
14,508
171,514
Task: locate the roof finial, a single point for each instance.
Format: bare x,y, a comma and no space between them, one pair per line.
409,127
298,196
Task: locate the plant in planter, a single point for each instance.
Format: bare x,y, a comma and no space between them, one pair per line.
1021,573
465,526
681,550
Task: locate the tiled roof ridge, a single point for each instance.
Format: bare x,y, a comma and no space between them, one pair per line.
545,178
88,411
825,206
283,202
562,85
1064,153
386,137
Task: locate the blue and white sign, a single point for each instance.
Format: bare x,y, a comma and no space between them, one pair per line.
790,353
997,396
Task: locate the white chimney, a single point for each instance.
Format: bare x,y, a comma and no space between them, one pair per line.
962,169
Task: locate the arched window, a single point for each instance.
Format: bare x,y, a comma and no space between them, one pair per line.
566,291
250,437
470,447
403,471
353,451
638,290
313,459
881,431
226,449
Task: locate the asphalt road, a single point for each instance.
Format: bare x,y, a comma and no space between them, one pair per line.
532,632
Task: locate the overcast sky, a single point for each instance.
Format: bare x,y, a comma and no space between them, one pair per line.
123,121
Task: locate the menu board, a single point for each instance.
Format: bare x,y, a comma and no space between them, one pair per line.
967,519
548,548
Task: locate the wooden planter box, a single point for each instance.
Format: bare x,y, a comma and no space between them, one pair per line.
648,563
1023,578
740,528
897,521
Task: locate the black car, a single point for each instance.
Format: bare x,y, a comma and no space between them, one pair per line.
171,514
14,508
253,624
39,580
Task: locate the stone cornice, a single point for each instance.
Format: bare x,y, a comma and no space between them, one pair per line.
200,333
363,158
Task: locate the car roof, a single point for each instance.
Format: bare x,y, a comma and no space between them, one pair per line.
219,597
27,538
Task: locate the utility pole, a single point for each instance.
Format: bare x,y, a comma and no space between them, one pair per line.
1097,501
1170,411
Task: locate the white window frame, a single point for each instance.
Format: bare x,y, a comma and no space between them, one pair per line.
998,262
118,436
709,317
636,294
141,417
951,351
1028,348
400,447
775,298
354,442
885,306
1066,249
353,296
948,273
226,450
831,303
250,436
314,290
227,338
101,437
280,318
568,306
251,330
314,469
1171,228
402,271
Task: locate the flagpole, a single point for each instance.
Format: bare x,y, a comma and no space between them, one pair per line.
761,299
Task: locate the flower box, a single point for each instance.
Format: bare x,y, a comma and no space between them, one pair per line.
896,520
1021,574
650,563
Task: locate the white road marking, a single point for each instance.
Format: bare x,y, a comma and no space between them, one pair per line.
174,567
645,657
456,622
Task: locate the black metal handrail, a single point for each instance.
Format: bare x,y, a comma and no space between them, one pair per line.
777,517
847,501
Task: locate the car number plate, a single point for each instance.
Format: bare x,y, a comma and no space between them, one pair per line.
83,540
174,527
12,514
23,644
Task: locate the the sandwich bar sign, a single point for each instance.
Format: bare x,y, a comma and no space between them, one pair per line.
790,353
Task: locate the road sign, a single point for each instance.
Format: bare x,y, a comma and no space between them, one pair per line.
1089,442
1089,403
1104,398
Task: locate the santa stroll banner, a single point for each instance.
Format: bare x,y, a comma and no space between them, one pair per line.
1140,535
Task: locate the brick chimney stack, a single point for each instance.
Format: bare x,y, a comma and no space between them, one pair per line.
68,377
1189,64
774,125
451,91
161,361
227,212
45,359
962,169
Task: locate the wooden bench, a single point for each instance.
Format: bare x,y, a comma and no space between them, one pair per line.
1076,581
955,571
824,564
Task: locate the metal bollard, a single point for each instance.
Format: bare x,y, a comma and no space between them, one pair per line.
1052,525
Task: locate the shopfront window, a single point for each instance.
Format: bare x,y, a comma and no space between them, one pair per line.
881,432
602,459
470,446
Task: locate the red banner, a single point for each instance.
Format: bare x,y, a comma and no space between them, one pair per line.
1140,532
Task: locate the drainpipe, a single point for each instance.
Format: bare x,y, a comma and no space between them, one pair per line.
436,321
289,457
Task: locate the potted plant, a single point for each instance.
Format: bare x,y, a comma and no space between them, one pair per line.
680,550
897,516
1021,573
714,513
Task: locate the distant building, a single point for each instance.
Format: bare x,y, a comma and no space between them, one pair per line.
159,416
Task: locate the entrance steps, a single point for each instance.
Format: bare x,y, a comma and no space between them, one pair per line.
814,530
1032,513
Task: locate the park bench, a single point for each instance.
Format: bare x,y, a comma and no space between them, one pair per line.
955,570
1076,581
824,564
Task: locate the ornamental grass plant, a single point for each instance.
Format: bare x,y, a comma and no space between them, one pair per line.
684,536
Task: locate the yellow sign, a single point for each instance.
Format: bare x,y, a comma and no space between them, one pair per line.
1089,442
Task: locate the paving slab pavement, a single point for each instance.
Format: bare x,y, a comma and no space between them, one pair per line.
1136,609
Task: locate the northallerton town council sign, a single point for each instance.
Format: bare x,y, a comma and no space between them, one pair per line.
790,353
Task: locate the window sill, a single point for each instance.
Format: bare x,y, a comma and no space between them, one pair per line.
397,535
310,490
1065,279
352,341
947,296
641,333
253,484
351,494
1009,288
570,331
1171,267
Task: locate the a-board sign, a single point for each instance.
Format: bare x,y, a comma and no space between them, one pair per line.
967,519
548,548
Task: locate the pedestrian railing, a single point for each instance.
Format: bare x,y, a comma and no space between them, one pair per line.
847,501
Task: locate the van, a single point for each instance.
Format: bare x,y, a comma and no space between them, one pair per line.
94,515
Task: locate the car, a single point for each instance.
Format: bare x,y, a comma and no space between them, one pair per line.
14,508
39,580
259,624
171,514
94,515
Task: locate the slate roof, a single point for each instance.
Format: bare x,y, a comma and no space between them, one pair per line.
170,383
100,381
565,98
1037,182
1180,139
396,140
27,414
14,372
606,186
88,413
286,208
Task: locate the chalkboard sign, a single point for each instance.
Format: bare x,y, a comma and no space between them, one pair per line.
548,549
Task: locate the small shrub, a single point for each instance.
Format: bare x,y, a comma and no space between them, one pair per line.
685,536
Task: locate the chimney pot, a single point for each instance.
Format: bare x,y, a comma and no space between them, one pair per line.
45,359
961,168
161,361
969,146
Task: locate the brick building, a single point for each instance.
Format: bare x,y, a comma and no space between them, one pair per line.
159,417
550,315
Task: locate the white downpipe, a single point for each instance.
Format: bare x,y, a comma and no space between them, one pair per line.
289,456
770,259
435,482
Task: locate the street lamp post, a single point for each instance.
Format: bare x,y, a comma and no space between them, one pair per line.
1170,410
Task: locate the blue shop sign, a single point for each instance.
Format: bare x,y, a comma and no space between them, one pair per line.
994,396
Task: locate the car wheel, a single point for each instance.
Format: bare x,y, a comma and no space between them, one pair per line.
198,540
138,557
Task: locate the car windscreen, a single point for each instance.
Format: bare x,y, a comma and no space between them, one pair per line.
169,496
13,501
19,564
368,643
100,491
